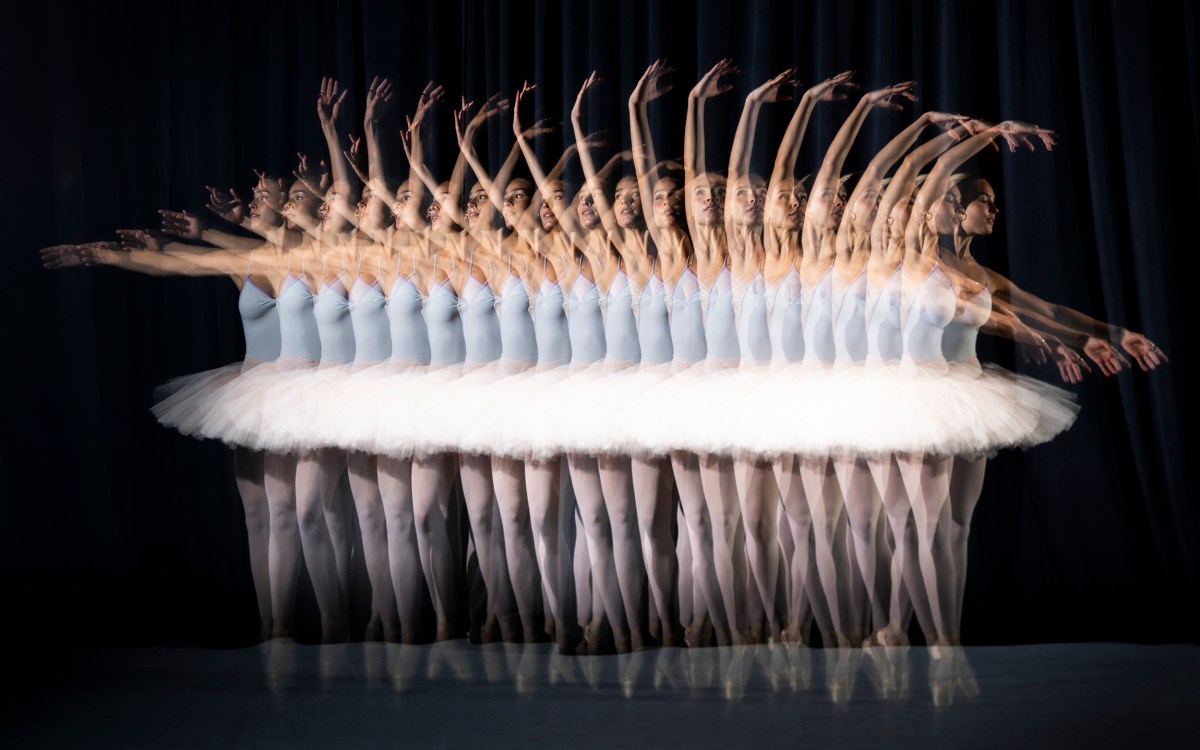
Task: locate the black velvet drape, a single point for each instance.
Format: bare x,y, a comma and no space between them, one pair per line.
117,531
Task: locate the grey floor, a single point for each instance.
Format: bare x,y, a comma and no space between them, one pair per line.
456,695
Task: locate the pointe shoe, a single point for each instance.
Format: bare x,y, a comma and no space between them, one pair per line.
334,630
792,635
570,640
672,636
374,628
700,634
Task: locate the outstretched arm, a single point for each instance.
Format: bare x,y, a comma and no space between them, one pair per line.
649,87
743,139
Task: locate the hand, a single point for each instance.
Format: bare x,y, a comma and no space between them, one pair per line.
226,205
61,256
1017,134
1036,352
431,95
356,156
329,103
1071,366
522,93
710,83
99,253
381,103
772,91
1143,350
317,181
1107,358
651,86
950,123
592,81
827,90
883,97
143,240
183,224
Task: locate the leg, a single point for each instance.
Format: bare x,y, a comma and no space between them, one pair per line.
654,505
927,482
759,497
729,556
250,469
431,480
372,523
508,479
863,508
316,477
803,565
686,467
829,545
616,483
589,498
283,552
475,472
542,486
966,485
908,590
395,488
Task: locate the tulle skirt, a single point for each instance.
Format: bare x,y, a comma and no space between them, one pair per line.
760,410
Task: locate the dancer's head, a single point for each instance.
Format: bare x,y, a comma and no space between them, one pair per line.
339,204
627,203
373,212
979,206
554,200
707,194
301,208
407,211
266,206
947,214
440,219
668,202
585,206
746,205
477,199
785,206
517,197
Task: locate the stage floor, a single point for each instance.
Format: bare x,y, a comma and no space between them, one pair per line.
285,695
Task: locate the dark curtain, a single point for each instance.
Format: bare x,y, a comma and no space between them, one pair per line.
117,531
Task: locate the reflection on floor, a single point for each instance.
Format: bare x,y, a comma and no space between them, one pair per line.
455,695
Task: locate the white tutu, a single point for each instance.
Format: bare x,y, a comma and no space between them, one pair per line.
184,402
767,411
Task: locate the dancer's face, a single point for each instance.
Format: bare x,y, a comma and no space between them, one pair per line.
477,198
948,214
372,212
749,196
407,208
668,203
334,210
266,206
438,217
627,203
585,208
301,208
517,197
708,199
980,213
554,200
785,208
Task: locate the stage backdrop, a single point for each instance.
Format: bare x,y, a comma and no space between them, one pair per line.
118,531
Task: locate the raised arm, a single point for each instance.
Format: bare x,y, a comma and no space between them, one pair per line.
543,181
649,87
466,145
793,137
329,107
743,139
